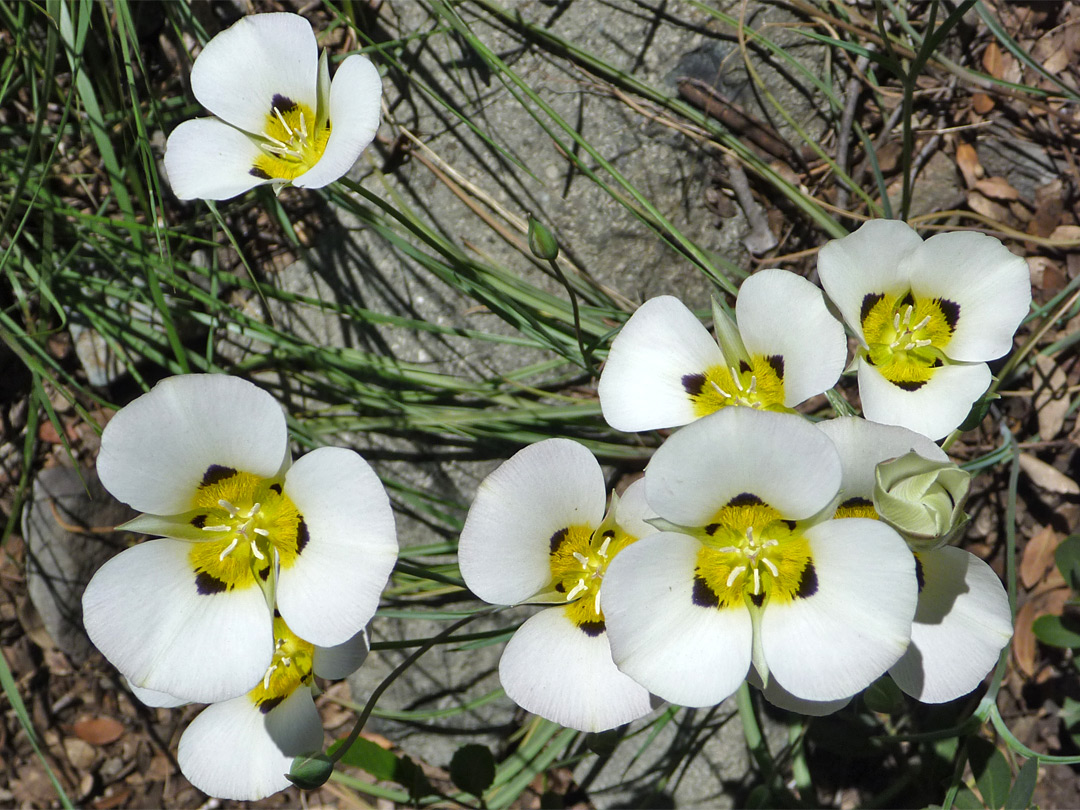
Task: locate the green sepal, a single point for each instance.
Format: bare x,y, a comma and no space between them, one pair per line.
322,94
177,527
310,771
727,335
542,244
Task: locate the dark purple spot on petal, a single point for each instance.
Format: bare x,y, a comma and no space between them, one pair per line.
208,585
758,599
592,629
284,104
560,587
907,301
951,311
856,503
910,385
198,521
270,704
744,366
777,363
255,171
557,539
808,584
920,575
745,499
868,303
693,383
302,536
264,573
216,473
711,529
791,524
276,488
703,595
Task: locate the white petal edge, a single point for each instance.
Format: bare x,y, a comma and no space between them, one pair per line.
679,651
783,699
142,610
552,668
241,69
155,451
857,624
332,590
341,660
781,458
991,284
960,627
633,510
933,410
869,260
781,313
234,751
505,545
149,697
863,445
206,159
641,384
355,110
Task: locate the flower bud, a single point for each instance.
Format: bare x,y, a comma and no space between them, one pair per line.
922,499
541,242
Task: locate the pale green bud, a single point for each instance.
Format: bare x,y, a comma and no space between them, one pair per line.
922,499
541,242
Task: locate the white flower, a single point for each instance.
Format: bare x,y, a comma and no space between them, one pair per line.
242,748
279,119
206,458
756,572
928,315
963,619
537,532
664,370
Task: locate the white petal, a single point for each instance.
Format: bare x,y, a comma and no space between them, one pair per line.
641,386
143,611
156,450
552,668
961,624
341,660
354,120
832,644
505,546
780,313
863,445
261,56
991,285
783,699
207,159
633,510
148,697
680,651
332,590
870,260
932,410
781,458
234,751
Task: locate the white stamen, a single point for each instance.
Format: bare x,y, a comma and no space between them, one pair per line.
581,586
228,507
920,343
921,324
255,551
770,543
303,127
727,550
221,528
266,677
581,558
772,568
757,580
896,322
604,547
262,532
596,602
253,511
753,384
734,574
720,390
907,315
228,550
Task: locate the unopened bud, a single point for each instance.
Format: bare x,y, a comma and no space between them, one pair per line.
541,242
922,499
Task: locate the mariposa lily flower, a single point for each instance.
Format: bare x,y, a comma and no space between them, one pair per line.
751,569
928,315
537,532
243,530
962,620
665,370
278,117
243,748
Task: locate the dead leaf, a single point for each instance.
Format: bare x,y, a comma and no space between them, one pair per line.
997,188
981,103
982,204
1048,207
1037,268
1024,643
99,730
992,61
1038,556
1051,396
1066,233
1047,477
967,160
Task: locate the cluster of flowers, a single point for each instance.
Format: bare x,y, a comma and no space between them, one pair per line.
808,558
266,573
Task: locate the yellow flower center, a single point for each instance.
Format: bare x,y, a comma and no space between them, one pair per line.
293,141
750,555
290,667
250,525
856,508
579,558
906,336
756,384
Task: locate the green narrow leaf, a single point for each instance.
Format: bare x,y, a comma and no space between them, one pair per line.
992,773
1023,787
1058,631
1067,558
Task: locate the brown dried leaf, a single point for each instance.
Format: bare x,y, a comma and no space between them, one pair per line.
992,61
99,730
981,204
1066,232
1049,202
1047,477
1051,396
967,160
981,103
1024,644
997,188
1038,556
